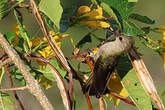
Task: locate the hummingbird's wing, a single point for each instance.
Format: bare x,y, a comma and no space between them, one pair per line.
103,70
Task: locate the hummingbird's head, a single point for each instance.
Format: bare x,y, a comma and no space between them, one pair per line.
124,42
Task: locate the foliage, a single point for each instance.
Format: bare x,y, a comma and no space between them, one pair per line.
85,26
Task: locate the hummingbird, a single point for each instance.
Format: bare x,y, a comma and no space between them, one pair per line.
105,63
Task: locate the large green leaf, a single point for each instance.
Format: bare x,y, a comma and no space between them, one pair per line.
131,29
86,39
136,91
122,6
7,103
122,10
53,9
77,32
143,19
132,84
124,66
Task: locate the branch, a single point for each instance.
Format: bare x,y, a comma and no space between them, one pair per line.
88,101
61,86
14,89
54,47
5,63
60,82
145,78
122,98
32,84
101,104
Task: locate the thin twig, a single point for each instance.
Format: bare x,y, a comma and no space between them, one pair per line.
145,78
14,89
61,86
32,84
88,101
2,104
101,104
6,61
10,78
60,82
122,98
54,47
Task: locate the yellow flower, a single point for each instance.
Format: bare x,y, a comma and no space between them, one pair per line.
162,31
116,86
16,29
95,50
45,82
47,51
95,14
94,17
35,41
95,24
83,10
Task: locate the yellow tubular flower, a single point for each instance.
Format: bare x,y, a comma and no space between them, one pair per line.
116,86
95,14
83,10
94,18
96,24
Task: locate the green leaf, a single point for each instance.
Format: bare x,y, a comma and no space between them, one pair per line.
5,8
124,66
136,91
49,22
146,29
122,6
109,11
122,10
47,70
7,103
132,0
77,32
143,19
86,39
23,32
9,36
131,29
132,84
53,9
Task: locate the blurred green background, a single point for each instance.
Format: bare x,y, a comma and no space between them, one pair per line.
154,9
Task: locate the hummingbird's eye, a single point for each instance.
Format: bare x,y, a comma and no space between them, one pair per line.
120,38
